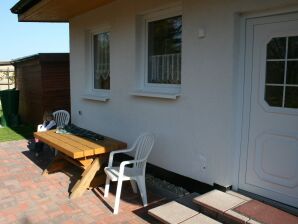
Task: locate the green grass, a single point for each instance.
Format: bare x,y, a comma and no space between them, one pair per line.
16,133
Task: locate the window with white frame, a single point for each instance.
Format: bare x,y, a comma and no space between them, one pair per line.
164,51
97,64
101,61
160,61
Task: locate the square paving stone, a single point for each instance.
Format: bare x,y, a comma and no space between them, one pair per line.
218,201
172,213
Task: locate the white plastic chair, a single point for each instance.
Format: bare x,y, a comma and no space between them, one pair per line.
142,147
61,117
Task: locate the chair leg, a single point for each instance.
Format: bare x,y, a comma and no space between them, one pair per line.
107,187
118,194
134,186
142,188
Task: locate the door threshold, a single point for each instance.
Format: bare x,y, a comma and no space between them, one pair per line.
287,208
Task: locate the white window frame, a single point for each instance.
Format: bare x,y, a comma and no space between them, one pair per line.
146,18
90,92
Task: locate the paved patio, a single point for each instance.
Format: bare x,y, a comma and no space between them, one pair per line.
27,197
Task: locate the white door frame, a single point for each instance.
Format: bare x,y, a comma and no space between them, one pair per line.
242,88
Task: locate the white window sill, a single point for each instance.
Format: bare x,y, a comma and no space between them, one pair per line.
141,93
96,97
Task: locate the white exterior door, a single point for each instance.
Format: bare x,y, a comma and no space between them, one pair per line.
269,151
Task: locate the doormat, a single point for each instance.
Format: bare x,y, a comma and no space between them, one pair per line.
265,213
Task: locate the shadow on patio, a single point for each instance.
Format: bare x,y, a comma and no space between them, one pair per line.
27,197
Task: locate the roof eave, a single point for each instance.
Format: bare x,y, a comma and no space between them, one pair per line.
54,10
23,5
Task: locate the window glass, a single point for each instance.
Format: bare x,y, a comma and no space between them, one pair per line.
281,87
276,48
293,48
101,50
291,97
292,72
273,95
164,51
275,72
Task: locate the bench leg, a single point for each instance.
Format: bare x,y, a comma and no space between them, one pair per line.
84,182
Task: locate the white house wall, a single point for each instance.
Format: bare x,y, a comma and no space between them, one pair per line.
200,122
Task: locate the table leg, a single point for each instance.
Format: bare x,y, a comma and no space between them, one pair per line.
86,178
57,164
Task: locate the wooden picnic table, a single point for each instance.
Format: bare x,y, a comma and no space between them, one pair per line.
85,153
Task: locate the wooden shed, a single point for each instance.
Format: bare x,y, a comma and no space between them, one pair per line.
43,82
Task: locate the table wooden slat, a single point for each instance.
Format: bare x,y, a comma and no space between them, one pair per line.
110,144
83,141
59,145
75,143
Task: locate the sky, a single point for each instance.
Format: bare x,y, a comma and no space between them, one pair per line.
21,39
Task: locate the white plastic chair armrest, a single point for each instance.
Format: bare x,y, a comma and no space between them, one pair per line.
110,164
124,163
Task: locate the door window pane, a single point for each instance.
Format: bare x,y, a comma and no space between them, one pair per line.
276,48
291,97
292,72
293,48
101,44
275,71
164,51
273,95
